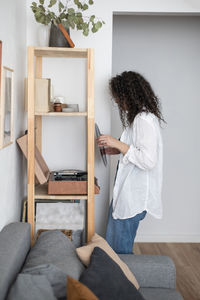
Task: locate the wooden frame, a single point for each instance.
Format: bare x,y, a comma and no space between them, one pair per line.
35,55
0,64
6,137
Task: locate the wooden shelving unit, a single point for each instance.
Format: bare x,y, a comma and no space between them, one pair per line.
35,55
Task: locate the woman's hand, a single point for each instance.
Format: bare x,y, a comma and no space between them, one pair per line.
107,141
111,151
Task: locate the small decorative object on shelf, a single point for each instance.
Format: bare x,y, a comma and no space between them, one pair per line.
58,103
68,109
57,107
68,16
71,108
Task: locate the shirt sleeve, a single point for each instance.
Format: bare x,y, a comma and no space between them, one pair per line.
144,153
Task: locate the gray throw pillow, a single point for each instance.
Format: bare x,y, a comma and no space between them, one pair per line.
31,287
53,247
106,280
54,275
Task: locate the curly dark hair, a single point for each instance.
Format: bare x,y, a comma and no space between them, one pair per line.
134,94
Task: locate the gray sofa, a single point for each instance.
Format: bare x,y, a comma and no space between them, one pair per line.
53,256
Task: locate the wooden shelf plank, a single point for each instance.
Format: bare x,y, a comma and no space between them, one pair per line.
60,52
41,192
61,114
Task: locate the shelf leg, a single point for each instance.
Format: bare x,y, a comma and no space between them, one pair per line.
90,145
31,143
38,119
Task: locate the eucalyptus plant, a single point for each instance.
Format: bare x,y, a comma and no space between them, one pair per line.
68,14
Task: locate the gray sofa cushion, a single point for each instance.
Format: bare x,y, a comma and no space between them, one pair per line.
31,287
53,247
14,246
160,294
152,270
54,275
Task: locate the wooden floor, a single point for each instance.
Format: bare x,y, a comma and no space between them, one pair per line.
186,257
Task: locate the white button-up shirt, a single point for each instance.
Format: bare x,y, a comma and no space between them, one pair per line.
139,177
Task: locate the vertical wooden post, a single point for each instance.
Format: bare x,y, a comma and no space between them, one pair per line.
2,108
38,119
1,96
12,108
90,145
31,142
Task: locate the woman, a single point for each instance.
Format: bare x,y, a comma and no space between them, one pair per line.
138,179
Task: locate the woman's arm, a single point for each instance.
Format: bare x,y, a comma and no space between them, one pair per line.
111,142
144,153
111,151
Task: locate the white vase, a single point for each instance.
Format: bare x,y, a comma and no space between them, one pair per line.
43,35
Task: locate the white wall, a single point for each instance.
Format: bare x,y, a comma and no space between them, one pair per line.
102,44
166,51
12,166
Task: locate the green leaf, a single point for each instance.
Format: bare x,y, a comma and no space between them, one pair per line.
60,6
42,8
91,2
98,25
37,14
71,21
103,22
92,18
42,19
42,2
76,20
86,32
80,5
79,14
85,7
81,21
71,11
85,26
48,19
79,26
34,3
94,29
34,9
63,16
52,15
52,3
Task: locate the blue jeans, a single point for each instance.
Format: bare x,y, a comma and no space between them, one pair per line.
120,233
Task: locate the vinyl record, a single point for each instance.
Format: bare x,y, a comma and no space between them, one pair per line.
102,149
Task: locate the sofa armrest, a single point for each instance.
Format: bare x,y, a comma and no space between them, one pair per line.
14,245
152,270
